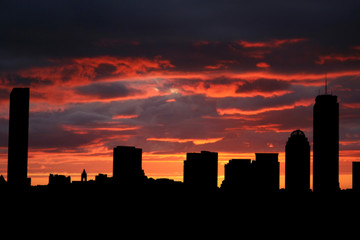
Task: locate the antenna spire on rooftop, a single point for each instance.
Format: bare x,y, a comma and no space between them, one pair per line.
326,83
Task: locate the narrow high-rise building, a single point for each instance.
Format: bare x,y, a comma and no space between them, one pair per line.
18,138
297,163
326,144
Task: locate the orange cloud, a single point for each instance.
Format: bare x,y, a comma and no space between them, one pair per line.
194,141
80,71
220,64
349,142
209,89
217,66
263,128
270,44
127,66
233,111
340,58
262,65
124,116
351,105
114,127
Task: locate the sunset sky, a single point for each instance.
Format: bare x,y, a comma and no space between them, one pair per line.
170,77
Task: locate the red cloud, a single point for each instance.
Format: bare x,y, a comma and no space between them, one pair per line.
217,66
236,111
341,58
74,72
269,44
201,43
194,141
263,65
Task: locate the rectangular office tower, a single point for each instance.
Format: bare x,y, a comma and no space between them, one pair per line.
127,165
356,176
201,171
239,176
18,138
267,172
326,144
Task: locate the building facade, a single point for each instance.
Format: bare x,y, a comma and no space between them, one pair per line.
326,144
201,171
267,172
18,138
297,163
127,165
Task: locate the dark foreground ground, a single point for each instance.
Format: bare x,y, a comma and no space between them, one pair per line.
170,215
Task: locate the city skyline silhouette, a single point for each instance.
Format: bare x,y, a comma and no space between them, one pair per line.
178,78
200,170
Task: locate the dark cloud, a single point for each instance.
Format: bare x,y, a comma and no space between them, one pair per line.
296,118
73,128
107,90
105,70
14,80
263,85
4,94
296,93
59,139
347,88
74,28
54,46
4,130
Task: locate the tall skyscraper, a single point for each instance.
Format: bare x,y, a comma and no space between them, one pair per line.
297,163
18,138
127,165
201,170
326,144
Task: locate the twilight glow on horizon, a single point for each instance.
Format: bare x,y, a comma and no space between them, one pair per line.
172,77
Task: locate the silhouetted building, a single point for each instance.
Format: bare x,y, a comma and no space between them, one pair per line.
201,171
356,176
239,176
59,180
101,178
2,180
84,176
127,165
18,138
164,187
326,144
266,168
297,163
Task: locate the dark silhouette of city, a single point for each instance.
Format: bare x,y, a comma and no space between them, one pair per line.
243,177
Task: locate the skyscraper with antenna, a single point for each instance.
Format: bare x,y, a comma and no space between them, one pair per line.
326,143
326,83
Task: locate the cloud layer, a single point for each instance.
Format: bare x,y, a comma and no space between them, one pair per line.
175,76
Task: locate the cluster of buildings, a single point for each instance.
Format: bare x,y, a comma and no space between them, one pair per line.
201,169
